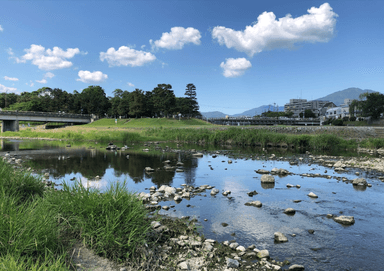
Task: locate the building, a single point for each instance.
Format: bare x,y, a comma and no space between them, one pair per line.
298,106
339,111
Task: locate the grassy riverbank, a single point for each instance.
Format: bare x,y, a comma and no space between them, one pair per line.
38,227
140,130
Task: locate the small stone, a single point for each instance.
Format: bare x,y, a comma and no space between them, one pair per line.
289,211
296,267
345,220
280,237
312,195
311,231
267,179
231,263
263,254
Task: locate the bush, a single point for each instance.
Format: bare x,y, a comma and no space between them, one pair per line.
352,119
345,118
337,122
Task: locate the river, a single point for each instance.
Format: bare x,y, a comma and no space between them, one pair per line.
332,246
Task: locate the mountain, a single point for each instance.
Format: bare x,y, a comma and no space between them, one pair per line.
350,93
258,110
213,114
248,113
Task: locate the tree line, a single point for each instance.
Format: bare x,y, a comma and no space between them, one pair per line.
160,102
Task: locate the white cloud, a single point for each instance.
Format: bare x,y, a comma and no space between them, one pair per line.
130,84
49,75
50,59
235,67
5,89
43,81
177,38
31,84
10,52
1,29
91,77
268,33
126,56
11,78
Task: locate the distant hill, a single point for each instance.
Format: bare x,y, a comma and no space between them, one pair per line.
350,93
258,111
213,114
248,113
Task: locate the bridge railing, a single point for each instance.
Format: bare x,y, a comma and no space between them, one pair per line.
46,114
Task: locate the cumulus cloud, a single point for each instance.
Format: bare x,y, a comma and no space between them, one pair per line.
11,78
268,33
234,67
50,59
125,56
49,75
42,81
130,84
177,38
91,77
5,89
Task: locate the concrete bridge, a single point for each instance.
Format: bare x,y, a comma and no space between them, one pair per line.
11,118
266,121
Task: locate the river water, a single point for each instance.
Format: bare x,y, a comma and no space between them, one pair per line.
332,246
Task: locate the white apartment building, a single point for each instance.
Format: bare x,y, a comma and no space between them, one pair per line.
298,106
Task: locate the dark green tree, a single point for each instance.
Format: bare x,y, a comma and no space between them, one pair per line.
137,103
193,106
123,109
115,102
308,114
163,100
373,106
94,101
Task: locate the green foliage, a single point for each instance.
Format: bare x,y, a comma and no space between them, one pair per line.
337,122
308,114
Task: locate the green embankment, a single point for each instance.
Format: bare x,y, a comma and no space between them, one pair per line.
148,122
39,227
193,130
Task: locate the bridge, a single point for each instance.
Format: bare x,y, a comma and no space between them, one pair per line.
266,121
11,118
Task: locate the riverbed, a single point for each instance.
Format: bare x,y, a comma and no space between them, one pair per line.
331,246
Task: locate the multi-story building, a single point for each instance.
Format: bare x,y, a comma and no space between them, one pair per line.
298,106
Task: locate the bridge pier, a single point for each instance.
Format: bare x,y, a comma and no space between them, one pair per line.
10,125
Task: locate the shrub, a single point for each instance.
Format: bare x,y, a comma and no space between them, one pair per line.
352,119
337,122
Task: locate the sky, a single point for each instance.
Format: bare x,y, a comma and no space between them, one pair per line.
239,54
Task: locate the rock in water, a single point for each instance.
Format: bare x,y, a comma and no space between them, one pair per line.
267,179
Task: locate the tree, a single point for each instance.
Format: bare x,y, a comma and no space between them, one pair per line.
115,102
94,101
123,108
308,114
193,106
137,103
373,106
163,100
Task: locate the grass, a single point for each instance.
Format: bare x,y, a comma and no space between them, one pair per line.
238,136
38,227
148,122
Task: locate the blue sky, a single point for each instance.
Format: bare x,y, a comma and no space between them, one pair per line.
239,54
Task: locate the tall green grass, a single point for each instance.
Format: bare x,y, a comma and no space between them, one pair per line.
239,136
148,122
100,136
38,226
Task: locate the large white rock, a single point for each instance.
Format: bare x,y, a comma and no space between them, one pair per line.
296,267
280,237
267,179
359,181
345,220
312,195
263,254
170,190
